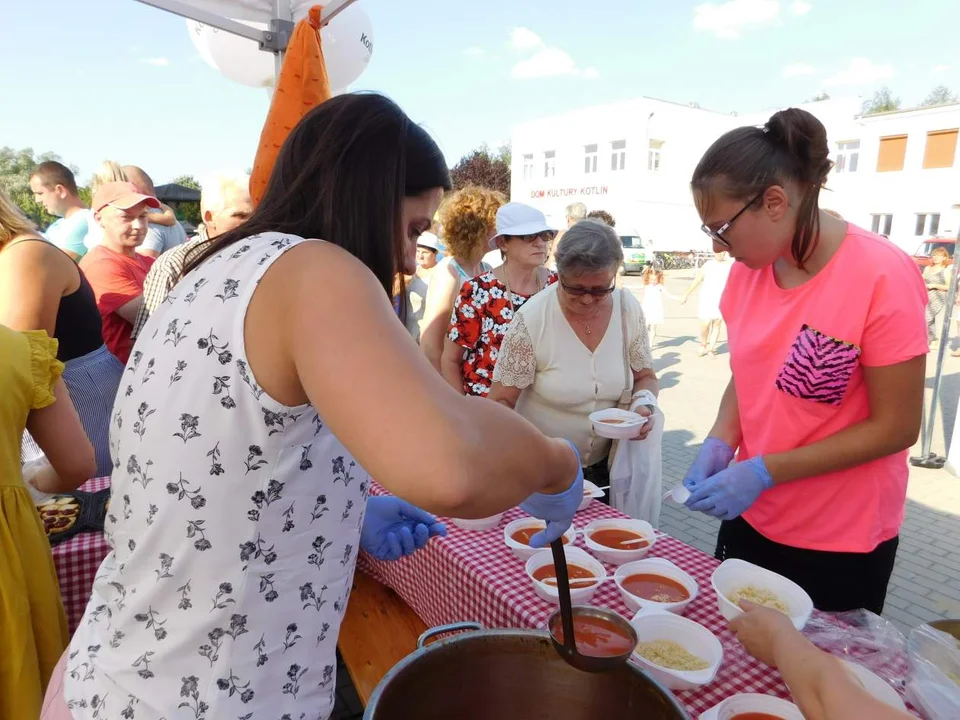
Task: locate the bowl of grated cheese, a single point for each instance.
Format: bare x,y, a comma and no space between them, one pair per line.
680,653
736,580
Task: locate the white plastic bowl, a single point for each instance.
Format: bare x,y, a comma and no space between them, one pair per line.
656,566
735,574
876,685
695,638
612,555
579,594
621,431
590,491
753,703
525,552
478,525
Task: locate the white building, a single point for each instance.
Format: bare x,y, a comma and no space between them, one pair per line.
896,173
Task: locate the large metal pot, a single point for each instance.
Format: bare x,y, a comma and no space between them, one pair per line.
510,675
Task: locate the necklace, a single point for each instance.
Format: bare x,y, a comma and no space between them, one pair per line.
506,282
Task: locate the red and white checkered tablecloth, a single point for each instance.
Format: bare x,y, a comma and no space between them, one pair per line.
474,576
77,561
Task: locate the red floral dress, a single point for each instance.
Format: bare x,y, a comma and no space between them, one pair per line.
481,316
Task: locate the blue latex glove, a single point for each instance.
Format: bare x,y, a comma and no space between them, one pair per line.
715,455
393,527
557,510
730,492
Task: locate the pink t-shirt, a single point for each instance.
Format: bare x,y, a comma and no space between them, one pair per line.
797,358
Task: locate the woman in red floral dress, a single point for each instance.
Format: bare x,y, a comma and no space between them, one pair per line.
486,304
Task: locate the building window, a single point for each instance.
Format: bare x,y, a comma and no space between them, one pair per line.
882,224
927,224
940,150
654,155
848,156
527,166
892,151
590,158
549,163
618,156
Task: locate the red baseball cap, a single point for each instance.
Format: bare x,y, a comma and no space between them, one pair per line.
121,195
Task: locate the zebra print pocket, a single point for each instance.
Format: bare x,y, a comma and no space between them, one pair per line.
818,367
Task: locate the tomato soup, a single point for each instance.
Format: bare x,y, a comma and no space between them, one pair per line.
655,587
752,715
523,535
596,637
611,421
575,572
615,538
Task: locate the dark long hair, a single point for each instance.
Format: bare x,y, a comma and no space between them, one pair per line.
341,176
792,146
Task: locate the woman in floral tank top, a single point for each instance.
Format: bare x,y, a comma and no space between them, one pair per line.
252,420
487,303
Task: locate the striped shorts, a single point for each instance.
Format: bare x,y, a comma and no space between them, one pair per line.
92,381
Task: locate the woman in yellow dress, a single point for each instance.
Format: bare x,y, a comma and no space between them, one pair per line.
33,628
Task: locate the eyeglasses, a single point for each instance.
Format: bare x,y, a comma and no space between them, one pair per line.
717,235
581,291
546,236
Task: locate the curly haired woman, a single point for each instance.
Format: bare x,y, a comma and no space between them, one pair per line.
469,219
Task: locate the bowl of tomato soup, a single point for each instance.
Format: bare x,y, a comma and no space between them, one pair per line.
753,706
655,583
609,540
580,566
517,534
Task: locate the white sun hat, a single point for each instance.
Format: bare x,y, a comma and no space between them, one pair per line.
518,219
429,240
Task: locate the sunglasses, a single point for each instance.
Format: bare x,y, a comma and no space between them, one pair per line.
717,235
546,236
581,291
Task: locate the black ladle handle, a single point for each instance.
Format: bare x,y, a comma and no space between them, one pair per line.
563,590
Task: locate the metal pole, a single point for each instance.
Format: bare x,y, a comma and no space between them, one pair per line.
927,458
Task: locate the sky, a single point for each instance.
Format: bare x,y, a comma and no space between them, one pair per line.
98,79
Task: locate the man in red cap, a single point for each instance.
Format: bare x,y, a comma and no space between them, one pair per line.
114,269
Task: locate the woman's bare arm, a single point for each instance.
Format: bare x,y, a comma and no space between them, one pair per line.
31,285
451,364
504,394
57,430
376,392
436,314
727,425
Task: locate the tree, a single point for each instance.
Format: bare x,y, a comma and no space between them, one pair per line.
189,211
15,169
483,167
882,101
940,95
819,97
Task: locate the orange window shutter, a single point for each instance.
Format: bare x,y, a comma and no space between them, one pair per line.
893,150
941,149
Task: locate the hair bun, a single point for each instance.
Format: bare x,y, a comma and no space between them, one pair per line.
804,138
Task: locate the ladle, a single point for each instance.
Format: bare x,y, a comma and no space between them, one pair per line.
567,649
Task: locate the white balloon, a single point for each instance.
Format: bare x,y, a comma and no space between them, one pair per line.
347,48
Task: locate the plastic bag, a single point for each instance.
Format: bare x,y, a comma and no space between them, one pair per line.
29,470
636,475
932,684
862,637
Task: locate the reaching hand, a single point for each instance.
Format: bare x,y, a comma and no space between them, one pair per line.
759,629
393,527
557,510
715,455
730,492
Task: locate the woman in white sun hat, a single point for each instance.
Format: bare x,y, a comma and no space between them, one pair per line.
486,304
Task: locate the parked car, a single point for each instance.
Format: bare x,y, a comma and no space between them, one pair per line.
923,253
636,253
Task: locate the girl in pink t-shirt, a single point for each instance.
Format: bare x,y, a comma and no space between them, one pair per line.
827,347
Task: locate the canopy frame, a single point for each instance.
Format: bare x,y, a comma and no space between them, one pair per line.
274,39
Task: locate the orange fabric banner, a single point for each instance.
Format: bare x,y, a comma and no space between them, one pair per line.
302,85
